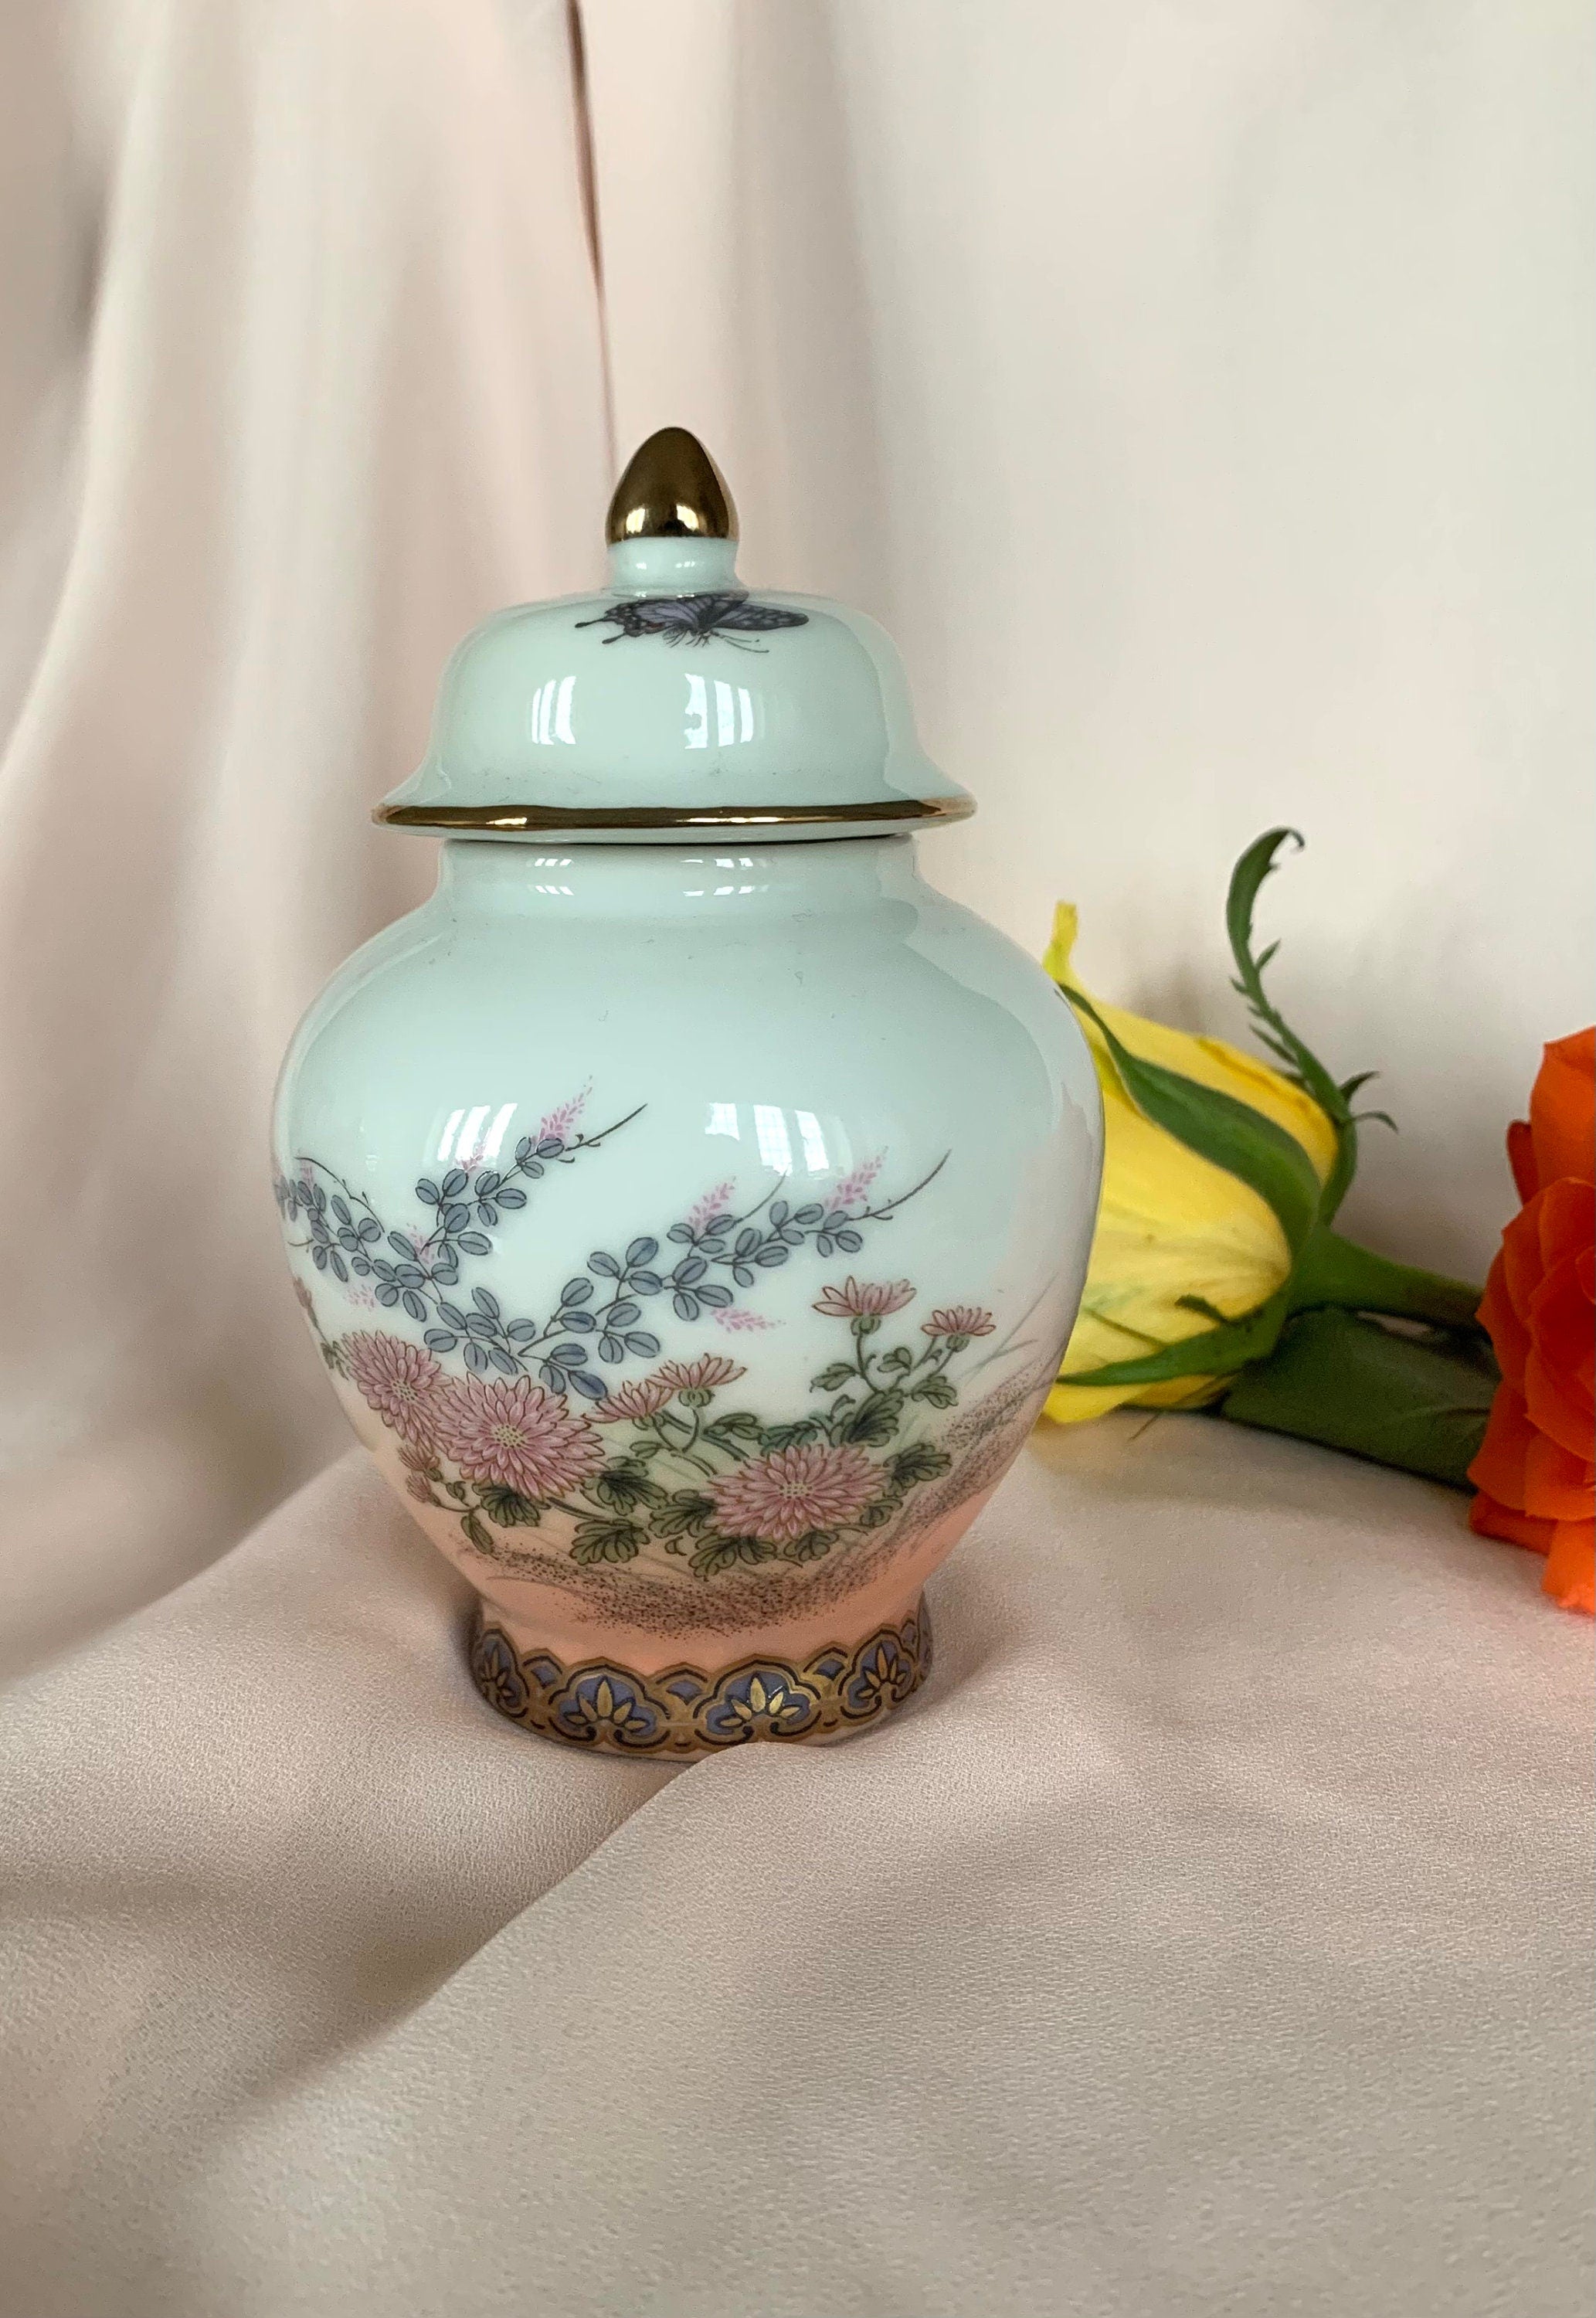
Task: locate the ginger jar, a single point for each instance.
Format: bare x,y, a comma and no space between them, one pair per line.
690,1204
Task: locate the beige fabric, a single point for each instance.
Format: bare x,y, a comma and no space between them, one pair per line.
1208,1937
1195,392
308,379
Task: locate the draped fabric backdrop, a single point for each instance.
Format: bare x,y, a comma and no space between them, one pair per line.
1200,394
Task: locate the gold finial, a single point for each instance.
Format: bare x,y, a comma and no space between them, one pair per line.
671,488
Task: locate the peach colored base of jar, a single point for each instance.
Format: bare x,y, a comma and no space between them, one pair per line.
807,1681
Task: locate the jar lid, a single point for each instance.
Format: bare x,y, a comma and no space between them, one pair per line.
676,701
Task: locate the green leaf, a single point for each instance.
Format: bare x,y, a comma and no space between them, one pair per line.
813,1546
832,1379
737,1425
1420,1403
876,1420
918,1463
725,1552
614,1540
507,1507
476,1535
940,1391
897,1362
877,1514
788,1436
686,1513
623,1487
1220,1129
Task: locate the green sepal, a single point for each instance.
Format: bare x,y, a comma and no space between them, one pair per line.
1419,1403
1220,1129
1212,1351
1270,1027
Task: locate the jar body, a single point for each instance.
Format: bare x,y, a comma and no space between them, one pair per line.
692,1236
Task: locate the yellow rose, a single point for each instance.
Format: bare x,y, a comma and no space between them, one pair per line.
1172,1226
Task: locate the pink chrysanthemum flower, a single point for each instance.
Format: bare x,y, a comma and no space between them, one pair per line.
959,1320
784,1496
402,1383
709,1371
859,1299
638,1397
508,1430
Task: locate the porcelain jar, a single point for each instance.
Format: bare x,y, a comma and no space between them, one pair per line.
690,1203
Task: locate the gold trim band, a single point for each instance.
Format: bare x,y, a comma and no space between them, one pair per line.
515,820
687,1711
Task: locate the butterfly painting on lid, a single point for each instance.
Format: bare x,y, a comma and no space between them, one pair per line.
694,619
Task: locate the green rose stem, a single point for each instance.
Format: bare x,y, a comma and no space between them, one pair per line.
1351,1384
1333,1270
1314,1359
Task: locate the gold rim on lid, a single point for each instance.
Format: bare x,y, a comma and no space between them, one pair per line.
515,820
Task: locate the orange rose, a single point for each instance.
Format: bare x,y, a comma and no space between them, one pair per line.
1535,1472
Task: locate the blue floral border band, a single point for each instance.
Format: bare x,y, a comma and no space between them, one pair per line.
686,1711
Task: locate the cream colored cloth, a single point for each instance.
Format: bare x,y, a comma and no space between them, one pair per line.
1209,1937
1198,394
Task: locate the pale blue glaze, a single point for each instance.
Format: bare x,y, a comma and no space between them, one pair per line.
546,705
601,1112
797,1011
784,1019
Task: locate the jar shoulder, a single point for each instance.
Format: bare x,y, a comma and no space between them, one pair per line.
438,981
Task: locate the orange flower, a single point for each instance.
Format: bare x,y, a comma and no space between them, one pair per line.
1535,1471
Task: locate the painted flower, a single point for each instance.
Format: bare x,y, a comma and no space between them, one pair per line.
605,1707
559,1122
854,1185
510,1431
765,1702
861,1299
637,1399
961,1320
704,1374
404,1385
884,1675
785,1495
498,1671
703,1211
737,1321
